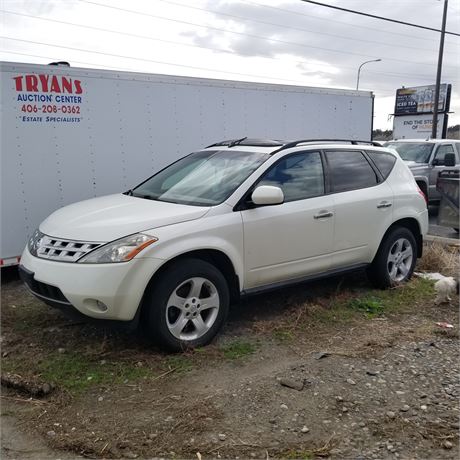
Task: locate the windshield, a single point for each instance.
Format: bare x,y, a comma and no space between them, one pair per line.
203,178
412,151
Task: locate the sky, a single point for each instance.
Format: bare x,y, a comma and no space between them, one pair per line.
272,41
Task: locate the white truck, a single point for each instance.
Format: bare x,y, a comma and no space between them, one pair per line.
68,134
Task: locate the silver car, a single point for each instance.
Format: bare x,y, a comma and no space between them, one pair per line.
425,159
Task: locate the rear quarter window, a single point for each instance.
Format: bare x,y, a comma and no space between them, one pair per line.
383,161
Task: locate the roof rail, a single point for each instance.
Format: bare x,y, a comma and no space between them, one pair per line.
249,142
313,141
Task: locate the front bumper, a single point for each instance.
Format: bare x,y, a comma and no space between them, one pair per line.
119,287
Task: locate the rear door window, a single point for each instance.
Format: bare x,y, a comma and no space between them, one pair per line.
349,170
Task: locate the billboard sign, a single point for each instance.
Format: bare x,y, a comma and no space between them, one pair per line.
418,126
420,99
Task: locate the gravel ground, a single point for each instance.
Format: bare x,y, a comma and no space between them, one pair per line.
297,374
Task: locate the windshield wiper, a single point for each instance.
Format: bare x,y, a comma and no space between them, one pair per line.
129,193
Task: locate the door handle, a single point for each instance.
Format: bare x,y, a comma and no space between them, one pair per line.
323,215
384,204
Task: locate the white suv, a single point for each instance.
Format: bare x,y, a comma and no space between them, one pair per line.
235,218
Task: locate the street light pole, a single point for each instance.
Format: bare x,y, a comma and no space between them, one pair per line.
434,132
359,70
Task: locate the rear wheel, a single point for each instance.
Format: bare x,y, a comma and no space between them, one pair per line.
395,259
187,305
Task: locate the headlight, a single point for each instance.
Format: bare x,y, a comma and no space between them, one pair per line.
34,242
120,250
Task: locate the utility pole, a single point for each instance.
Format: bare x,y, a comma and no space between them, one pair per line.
434,131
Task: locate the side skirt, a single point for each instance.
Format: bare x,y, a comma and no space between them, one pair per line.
282,284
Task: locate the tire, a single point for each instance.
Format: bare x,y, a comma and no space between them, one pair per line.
173,307
395,260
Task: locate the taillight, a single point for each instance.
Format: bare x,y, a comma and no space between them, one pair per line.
424,196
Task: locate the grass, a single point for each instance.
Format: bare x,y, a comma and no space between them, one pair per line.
298,454
237,349
440,258
75,372
181,362
370,306
347,306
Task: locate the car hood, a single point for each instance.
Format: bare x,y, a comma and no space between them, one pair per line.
114,216
413,164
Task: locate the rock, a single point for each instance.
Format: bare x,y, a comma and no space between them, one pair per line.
222,436
372,372
404,408
283,406
351,382
101,398
61,350
391,414
129,454
294,384
51,433
322,354
447,445
46,388
423,407
305,429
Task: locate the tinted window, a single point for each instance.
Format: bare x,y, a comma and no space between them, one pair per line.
299,176
349,170
383,161
441,152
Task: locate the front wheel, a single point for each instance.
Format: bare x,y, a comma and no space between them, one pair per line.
187,306
395,259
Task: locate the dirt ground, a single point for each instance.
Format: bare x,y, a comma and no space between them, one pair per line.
328,369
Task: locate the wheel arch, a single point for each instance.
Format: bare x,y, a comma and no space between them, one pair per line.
413,226
213,256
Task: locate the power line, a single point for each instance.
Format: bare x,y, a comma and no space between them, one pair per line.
390,74
234,16
328,20
149,60
131,69
377,17
251,35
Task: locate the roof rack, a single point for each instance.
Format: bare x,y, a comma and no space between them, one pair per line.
249,142
315,141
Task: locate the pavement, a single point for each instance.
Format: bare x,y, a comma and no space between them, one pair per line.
438,230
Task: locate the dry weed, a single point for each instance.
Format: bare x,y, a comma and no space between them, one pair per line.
440,258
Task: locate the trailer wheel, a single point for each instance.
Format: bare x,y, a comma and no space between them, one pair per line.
187,305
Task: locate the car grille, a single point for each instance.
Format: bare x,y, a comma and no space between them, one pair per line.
63,250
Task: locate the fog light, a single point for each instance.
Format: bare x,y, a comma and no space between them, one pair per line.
101,305
96,305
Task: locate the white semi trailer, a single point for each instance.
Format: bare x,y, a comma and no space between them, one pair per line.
69,133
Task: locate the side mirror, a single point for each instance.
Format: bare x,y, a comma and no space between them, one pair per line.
266,195
436,162
449,159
